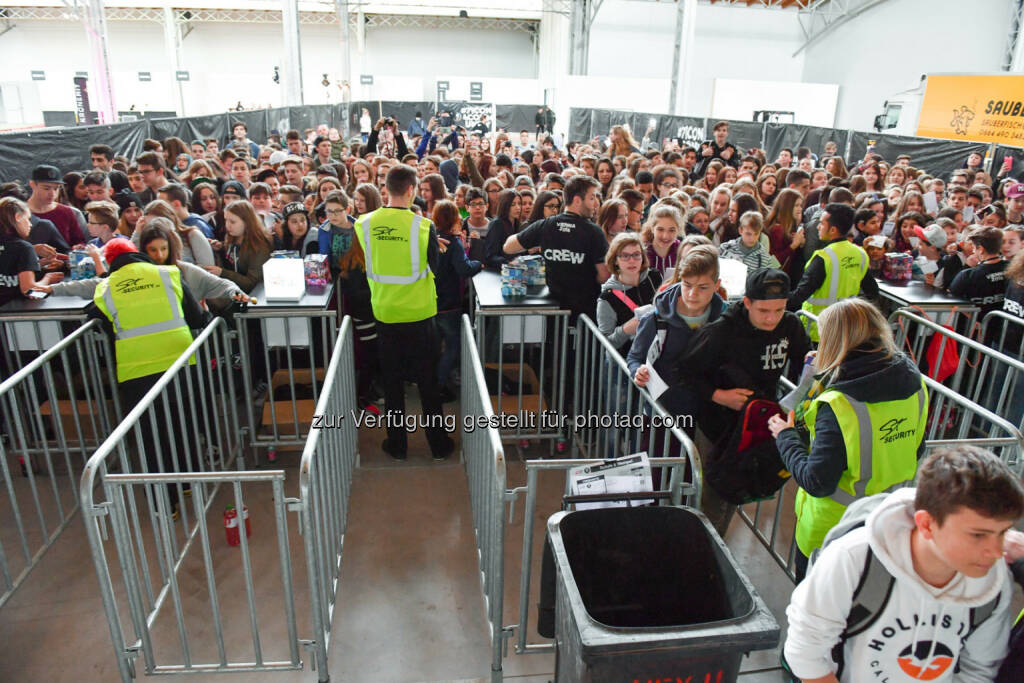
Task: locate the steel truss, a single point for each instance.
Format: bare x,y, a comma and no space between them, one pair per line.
188,16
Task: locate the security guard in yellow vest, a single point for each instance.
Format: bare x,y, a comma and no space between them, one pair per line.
402,250
866,428
151,313
837,271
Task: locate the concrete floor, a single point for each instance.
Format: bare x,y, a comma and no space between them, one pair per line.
409,603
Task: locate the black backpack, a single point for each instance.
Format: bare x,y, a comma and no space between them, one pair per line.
744,466
1012,670
875,586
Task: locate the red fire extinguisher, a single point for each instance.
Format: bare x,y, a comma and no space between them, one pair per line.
231,524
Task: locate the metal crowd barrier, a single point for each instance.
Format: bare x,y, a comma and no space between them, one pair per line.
485,469
953,419
528,380
140,519
53,411
970,375
181,439
998,389
295,353
325,484
489,494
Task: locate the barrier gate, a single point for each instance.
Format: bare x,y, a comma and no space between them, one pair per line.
151,496
598,370
53,410
953,419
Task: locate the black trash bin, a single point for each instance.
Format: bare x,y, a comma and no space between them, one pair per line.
651,593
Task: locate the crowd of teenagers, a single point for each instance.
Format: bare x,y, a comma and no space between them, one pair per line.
635,237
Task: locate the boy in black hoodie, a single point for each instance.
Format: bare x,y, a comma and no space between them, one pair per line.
739,356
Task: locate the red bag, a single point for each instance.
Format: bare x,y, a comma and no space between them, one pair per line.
940,369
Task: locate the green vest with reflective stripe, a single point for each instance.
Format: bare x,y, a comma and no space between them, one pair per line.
846,264
401,284
881,441
143,303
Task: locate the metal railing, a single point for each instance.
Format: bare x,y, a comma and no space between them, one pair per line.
484,458
325,485
294,351
489,492
998,387
953,419
162,546
53,411
534,369
184,436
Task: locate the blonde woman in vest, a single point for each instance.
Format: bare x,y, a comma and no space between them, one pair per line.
864,431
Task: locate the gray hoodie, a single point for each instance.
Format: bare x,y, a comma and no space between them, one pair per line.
202,284
919,635
607,319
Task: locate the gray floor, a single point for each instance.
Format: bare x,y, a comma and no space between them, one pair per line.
409,605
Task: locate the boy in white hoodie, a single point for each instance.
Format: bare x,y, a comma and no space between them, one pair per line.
942,543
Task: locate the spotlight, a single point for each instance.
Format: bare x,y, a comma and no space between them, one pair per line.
325,82
277,75
463,14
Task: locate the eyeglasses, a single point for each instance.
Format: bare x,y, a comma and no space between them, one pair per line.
335,212
639,213
478,203
634,256
553,205
672,185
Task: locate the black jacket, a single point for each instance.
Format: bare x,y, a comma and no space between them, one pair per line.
454,267
868,377
716,153
195,316
730,352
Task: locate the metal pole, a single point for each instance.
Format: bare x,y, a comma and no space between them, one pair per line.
172,45
346,62
292,56
676,51
102,86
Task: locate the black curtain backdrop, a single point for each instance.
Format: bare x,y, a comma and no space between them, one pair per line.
516,117
68,148
938,157
780,135
1015,153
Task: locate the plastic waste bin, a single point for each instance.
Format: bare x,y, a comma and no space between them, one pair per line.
651,593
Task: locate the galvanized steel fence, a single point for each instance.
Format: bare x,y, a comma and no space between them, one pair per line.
54,409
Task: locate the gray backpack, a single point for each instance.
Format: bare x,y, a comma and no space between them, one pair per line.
876,583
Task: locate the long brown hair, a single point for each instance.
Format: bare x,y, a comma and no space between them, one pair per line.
255,236
782,211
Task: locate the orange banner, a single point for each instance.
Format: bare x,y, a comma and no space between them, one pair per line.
975,108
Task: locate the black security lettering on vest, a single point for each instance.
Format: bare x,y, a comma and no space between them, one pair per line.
383,233
895,429
132,285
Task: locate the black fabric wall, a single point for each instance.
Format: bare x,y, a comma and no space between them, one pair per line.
67,148
938,157
780,135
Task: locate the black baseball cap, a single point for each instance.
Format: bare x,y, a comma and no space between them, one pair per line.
293,208
769,283
125,199
234,187
47,174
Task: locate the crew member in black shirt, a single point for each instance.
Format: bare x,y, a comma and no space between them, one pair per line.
573,247
984,284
